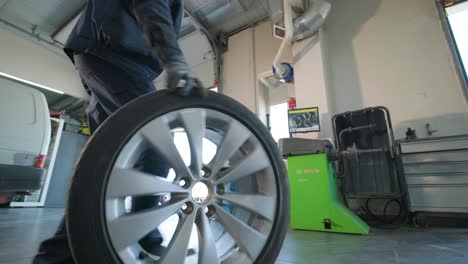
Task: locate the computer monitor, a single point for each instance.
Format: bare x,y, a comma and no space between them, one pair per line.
304,120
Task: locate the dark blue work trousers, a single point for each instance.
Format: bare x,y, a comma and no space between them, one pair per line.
111,85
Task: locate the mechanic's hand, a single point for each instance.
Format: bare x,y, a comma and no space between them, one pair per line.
183,80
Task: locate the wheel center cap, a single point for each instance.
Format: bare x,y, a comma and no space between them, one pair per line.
200,192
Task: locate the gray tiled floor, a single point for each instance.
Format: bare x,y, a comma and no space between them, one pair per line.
382,246
21,230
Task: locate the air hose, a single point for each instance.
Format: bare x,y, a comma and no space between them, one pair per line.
384,221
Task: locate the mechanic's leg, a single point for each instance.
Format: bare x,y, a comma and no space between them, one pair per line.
55,249
150,163
96,114
119,89
110,88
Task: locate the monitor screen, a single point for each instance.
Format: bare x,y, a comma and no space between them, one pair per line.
304,120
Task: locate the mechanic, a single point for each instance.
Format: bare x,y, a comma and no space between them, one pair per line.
119,48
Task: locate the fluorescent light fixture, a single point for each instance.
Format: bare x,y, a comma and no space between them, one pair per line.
11,77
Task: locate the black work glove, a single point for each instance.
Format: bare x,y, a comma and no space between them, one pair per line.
159,24
182,80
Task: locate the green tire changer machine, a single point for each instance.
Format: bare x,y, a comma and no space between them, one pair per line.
368,169
316,202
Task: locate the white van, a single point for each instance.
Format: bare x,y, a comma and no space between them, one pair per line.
24,138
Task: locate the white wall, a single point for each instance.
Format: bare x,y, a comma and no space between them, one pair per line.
394,53
310,85
251,53
25,59
369,53
239,76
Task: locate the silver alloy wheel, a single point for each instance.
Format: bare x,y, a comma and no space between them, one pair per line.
230,222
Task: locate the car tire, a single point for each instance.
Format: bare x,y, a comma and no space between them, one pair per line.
86,226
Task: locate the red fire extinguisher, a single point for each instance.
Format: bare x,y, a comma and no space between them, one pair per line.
292,103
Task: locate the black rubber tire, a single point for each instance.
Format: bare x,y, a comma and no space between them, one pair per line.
5,205
420,220
85,208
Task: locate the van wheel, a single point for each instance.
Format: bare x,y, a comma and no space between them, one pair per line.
228,207
5,205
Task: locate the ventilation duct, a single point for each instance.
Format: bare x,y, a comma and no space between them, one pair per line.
312,20
294,20
309,16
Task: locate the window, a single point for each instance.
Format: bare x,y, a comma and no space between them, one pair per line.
456,14
279,121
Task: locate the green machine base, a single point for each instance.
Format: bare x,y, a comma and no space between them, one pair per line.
315,200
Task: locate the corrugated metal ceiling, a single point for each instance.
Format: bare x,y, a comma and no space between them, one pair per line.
49,16
227,15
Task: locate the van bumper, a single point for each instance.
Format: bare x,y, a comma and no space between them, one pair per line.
15,178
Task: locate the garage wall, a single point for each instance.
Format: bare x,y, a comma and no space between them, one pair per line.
239,76
394,53
251,53
28,60
369,53
310,84
25,59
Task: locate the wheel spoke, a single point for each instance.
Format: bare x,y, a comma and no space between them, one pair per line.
233,139
241,157
177,249
248,239
158,134
194,124
258,204
206,242
130,182
129,229
253,162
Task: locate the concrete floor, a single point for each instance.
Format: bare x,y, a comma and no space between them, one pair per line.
21,231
